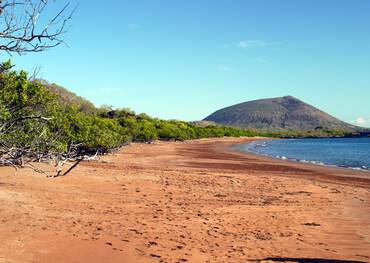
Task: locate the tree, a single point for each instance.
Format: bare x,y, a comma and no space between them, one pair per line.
36,125
26,108
24,28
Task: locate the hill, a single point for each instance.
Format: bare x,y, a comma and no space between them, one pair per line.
67,97
284,113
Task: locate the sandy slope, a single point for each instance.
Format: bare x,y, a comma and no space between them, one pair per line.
185,202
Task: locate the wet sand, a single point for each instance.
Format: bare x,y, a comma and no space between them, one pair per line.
196,201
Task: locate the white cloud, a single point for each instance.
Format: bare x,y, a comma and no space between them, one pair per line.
133,26
222,67
261,60
361,121
257,44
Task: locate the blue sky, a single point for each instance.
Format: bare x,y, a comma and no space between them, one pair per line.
186,59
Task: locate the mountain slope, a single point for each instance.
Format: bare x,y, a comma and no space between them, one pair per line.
287,113
67,97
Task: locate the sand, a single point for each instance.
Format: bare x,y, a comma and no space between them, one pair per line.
196,201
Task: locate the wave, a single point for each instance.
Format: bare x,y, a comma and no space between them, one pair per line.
264,148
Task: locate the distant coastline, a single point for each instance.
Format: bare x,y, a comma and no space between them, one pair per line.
346,152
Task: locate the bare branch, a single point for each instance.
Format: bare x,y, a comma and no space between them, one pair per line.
24,29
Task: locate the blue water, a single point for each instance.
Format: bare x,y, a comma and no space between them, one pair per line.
343,152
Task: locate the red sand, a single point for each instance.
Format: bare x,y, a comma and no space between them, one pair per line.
194,201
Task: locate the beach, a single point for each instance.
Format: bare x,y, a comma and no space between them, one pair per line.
193,201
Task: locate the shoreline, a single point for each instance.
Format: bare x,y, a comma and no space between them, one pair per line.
324,172
193,201
293,169
316,163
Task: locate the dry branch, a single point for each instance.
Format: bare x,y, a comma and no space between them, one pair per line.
23,28
23,158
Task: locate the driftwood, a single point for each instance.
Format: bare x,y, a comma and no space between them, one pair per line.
25,158
27,155
35,151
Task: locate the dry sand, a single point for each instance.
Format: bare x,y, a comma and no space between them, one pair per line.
194,201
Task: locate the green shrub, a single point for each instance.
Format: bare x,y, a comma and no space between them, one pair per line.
42,118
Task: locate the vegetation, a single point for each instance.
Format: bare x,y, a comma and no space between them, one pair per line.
40,121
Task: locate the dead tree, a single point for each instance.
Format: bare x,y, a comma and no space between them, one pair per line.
29,26
24,27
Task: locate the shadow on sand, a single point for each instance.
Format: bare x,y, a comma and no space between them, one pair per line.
308,260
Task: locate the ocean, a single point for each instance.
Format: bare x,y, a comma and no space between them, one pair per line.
341,152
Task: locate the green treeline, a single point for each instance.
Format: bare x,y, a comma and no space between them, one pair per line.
40,119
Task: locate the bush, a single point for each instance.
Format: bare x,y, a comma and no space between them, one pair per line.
37,119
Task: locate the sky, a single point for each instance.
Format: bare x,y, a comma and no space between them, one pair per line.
186,59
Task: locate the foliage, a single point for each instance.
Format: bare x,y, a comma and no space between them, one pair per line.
39,120
67,97
36,124
24,107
